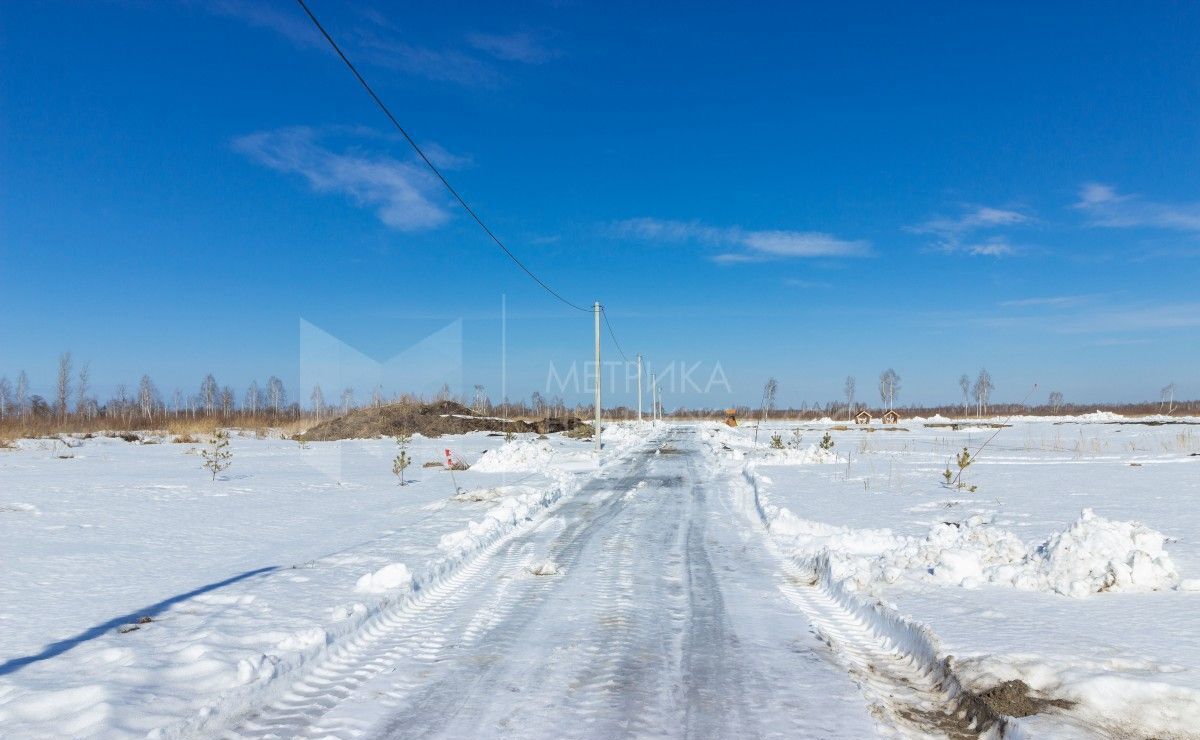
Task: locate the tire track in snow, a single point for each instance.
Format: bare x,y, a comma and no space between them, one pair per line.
418,633
911,691
894,661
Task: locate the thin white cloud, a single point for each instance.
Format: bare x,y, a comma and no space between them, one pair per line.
1111,319
371,38
521,46
292,26
953,234
806,284
742,245
1104,206
403,194
1058,301
440,65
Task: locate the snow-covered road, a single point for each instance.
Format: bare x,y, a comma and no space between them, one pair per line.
667,616
694,584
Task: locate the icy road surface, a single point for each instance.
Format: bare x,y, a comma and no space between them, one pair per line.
659,614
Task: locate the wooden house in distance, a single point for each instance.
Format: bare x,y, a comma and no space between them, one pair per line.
891,417
862,417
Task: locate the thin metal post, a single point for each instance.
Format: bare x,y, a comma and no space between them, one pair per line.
596,431
639,386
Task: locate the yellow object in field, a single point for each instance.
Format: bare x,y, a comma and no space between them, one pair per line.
731,417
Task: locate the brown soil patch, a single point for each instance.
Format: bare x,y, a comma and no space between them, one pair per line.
1014,698
427,419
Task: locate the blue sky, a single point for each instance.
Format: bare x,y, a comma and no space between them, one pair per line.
799,191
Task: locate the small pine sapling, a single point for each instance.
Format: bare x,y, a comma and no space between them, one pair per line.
218,457
509,436
776,442
827,442
797,438
402,460
964,459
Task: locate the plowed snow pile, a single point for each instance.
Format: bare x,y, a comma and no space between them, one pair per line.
519,455
1093,555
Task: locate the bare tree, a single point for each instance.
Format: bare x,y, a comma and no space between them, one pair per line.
63,387
1168,399
119,400
209,392
318,400
83,404
276,395
849,391
768,402
147,397
889,387
347,400
22,394
1056,401
964,383
227,401
480,403
250,402
537,403
6,397
377,396
982,390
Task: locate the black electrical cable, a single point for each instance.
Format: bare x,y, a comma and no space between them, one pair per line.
424,158
613,334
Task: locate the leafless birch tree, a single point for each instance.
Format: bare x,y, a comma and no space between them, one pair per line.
63,386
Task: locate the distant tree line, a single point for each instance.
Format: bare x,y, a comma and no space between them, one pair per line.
73,404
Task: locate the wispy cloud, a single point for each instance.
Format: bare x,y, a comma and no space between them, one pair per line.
742,245
291,25
383,50
806,284
1109,319
404,196
1104,206
371,38
973,231
1058,301
520,46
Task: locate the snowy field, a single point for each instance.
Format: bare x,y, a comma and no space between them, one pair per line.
1073,566
140,598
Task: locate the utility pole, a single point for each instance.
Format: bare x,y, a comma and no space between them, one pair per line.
596,431
653,398
639,386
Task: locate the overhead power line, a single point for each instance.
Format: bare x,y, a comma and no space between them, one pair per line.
611,333
420,153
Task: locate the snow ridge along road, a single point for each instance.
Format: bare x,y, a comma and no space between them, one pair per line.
660,612
911,690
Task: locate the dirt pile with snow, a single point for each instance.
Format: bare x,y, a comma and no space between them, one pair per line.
427,419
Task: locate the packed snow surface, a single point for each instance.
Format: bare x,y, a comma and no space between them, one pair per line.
141,598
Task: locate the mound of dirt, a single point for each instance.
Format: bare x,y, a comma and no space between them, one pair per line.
427,419
1015,699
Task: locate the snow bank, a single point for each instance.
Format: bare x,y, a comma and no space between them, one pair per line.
811,455
1093,555
621,435
388,578
1100,416
508,512
520,455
